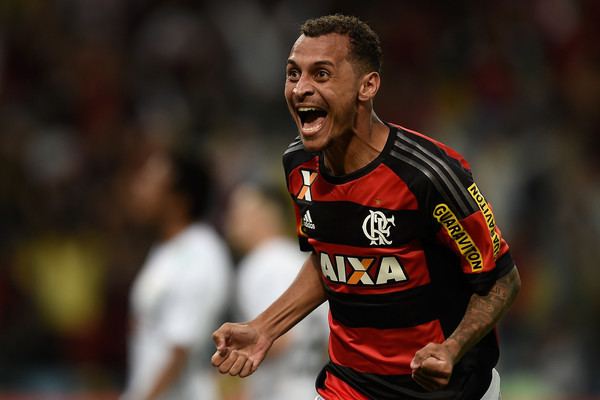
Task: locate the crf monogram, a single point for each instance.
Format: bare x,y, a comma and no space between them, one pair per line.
376,227
308,177
385,270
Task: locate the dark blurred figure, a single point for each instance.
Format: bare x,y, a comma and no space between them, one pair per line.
182,288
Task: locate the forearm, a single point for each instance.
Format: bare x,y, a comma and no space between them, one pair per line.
482,314
169,373
304,295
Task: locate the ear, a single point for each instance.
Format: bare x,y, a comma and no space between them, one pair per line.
369,86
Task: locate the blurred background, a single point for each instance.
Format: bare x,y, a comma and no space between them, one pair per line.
87,86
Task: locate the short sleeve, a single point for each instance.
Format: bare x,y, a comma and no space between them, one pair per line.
293,157
463,220
302,238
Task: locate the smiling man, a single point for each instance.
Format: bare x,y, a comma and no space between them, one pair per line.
402,243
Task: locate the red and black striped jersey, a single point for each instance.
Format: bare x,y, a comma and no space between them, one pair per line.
403,243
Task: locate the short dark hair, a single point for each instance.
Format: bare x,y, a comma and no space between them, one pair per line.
365,46
191,178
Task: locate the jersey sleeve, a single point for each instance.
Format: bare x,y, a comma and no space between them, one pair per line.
463,221
292,158
302,238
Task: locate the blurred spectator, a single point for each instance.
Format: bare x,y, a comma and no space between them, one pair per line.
182,289
271,260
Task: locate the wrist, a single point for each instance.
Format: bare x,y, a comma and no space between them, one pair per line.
263,328
453,348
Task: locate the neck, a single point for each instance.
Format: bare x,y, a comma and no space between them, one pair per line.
173,225
357,148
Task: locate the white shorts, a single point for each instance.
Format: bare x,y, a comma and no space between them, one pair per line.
492,393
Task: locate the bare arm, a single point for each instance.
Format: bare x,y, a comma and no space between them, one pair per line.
171,371
432,365
483,312
304,295
242,347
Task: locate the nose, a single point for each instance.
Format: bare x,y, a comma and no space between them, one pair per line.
303,87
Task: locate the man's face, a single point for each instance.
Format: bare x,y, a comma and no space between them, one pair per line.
150,189
244,217
321,89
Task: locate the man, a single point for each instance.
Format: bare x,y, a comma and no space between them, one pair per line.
181,291
254,225
403,245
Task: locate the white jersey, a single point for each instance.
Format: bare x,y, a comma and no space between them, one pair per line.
264,274
178,299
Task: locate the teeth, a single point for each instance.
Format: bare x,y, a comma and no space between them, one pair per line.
313,129
306,109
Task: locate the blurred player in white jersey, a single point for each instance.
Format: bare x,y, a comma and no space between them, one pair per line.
255,228
180,293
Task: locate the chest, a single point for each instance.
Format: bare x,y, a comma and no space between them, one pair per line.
153,285
378,209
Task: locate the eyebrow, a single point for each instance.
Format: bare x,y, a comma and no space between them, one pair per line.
317,63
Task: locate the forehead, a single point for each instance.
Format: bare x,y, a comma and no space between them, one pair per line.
331,47
155,168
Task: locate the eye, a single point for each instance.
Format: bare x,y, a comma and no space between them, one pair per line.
292,74
322,75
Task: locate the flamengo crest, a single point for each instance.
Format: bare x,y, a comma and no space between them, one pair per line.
376,227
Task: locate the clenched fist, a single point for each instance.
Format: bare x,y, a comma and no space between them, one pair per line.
432,366
240,349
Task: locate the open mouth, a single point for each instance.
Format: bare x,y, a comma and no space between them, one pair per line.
311,118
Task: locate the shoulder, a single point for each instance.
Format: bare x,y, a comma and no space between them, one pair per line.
422,157
275,256
202,242
271,267
421,146
431,166
295,154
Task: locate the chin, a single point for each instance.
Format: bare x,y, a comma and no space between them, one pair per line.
313,144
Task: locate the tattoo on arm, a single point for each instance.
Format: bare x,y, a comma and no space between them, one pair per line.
483,312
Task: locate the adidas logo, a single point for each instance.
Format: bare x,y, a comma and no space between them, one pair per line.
307,221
